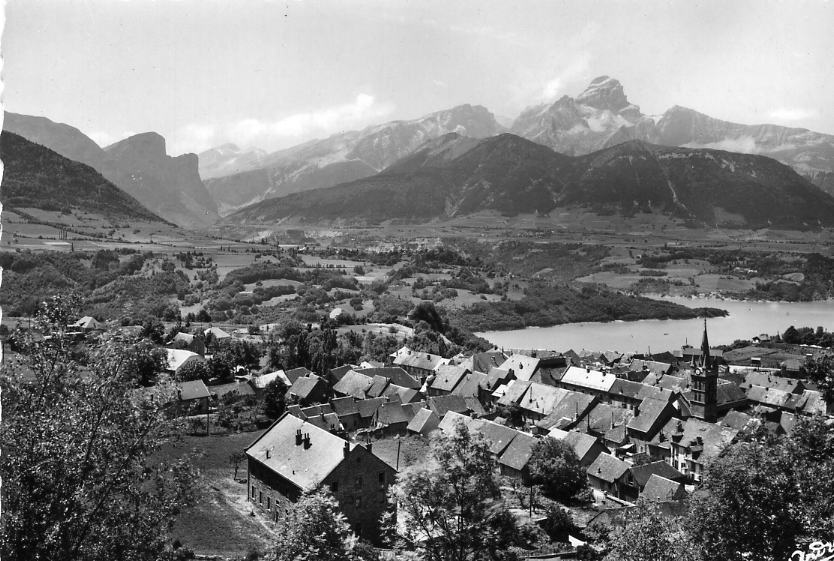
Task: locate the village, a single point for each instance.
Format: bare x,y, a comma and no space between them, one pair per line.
643,428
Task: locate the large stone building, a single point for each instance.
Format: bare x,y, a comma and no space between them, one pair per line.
294,456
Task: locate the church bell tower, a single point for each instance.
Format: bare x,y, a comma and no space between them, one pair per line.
704,377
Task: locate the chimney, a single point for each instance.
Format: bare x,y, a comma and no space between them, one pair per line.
346,449
307,441
267,453
298,438
370,446
179,394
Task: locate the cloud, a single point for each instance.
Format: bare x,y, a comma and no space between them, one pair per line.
791,114
285,131
741,145
556,85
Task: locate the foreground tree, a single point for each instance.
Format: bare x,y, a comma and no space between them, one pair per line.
555,466
649,535
745,509
452,503
317,531
80,480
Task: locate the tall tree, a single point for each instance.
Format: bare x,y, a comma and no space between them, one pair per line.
555,466
80,479
317,531
452,503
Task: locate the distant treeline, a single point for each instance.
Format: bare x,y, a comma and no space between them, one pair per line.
544,305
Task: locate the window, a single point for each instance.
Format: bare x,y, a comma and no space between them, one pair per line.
261,497
358,482
381,477
253,491
268,503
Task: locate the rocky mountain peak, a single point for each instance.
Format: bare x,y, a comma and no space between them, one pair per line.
144,147
604,92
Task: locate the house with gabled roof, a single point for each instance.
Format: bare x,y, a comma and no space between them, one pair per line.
589,381
88,323
660,489
446,379
378,386
514,460
335,374
472,385
293,457
694,442
641,473
423,422
347,410
496,377
259,383
418,364
539,400
450,420
393,418
586,446
192,397
395,375
367,410
484,361
611,475
178,358
568,410
498,436
442,404
649,417
514,392
308,389
188,342
522,366
296,373
353,384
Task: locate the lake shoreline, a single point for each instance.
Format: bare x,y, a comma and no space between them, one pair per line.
745,319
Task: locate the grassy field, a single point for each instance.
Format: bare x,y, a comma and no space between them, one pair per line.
220,522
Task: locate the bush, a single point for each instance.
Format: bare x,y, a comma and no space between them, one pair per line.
558,523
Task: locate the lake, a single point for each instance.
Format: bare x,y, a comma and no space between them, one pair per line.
746,320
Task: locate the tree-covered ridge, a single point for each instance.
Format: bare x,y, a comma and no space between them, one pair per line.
37,177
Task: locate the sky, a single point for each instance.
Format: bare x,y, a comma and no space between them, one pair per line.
272,74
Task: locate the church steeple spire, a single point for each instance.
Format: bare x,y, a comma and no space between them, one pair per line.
705,347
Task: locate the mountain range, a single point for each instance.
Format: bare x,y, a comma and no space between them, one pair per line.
344,157
456,175
170,187
36,177
194,191
602,116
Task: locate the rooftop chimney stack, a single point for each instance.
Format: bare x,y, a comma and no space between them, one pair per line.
298,437
346,449
306,440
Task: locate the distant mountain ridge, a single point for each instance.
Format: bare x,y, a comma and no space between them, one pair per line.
601,117
36,177
170,187
228,159
345,157
455,175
